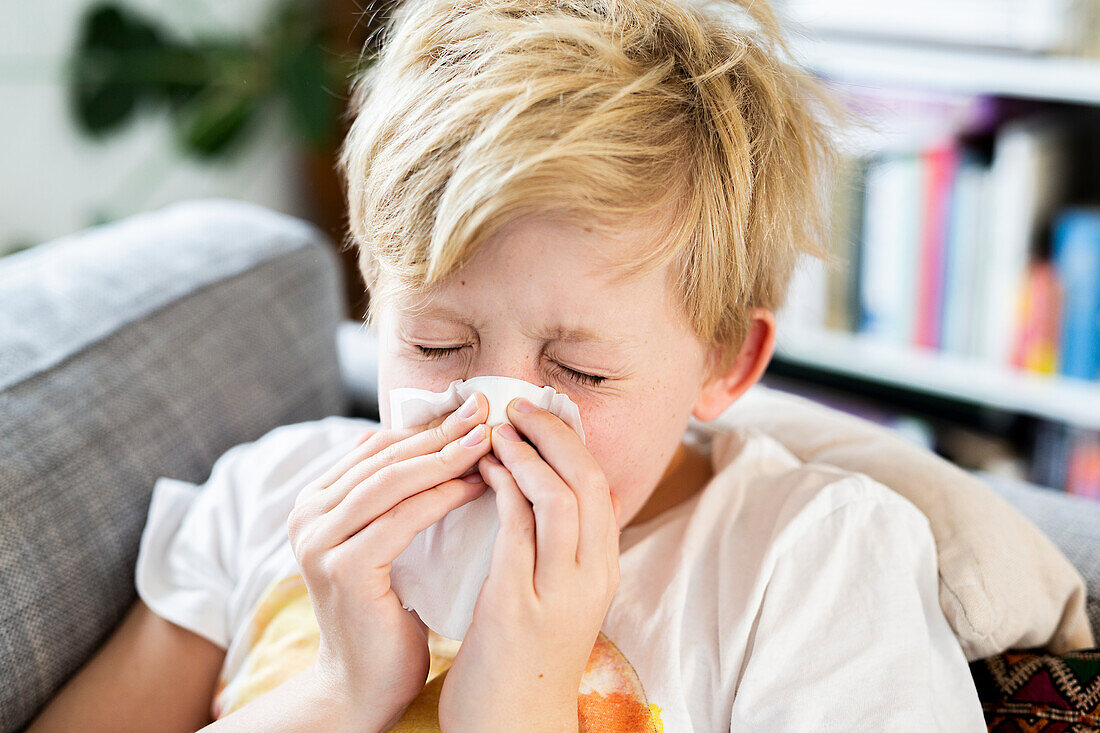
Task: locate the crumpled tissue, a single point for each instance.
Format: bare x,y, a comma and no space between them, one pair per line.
440,574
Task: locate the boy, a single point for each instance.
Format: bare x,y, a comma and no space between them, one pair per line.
607,196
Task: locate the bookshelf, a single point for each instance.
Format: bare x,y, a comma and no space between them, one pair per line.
993,155
1072,401
951,68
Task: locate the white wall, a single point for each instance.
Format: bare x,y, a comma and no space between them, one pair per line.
53,180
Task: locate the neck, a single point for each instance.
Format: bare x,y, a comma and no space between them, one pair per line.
688,471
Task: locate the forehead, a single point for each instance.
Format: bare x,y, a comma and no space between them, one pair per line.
551,275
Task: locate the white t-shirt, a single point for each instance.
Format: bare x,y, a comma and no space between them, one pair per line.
784,596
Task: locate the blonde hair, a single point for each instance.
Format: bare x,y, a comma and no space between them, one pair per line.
478,112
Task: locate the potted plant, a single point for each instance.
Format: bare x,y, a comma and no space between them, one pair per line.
215,88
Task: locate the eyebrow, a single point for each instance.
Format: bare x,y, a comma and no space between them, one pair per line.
573,334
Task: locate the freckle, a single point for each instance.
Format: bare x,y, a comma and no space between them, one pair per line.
540,676
463,282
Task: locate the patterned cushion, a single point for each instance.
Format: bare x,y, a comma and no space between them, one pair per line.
1032,690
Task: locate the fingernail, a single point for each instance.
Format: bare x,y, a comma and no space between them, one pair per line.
469,407
507,431
523,405
493,459
473,478
474,437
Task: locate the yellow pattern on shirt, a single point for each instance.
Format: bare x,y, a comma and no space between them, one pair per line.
284,637
284,640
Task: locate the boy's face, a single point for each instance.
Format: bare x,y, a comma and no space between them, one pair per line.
534,278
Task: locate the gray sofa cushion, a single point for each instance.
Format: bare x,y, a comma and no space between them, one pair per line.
129,351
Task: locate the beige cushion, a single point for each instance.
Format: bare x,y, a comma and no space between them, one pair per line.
1003,583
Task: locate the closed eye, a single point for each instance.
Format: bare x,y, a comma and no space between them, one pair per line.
433,353
588,379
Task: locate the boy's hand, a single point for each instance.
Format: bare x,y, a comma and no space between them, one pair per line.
347,527
554,571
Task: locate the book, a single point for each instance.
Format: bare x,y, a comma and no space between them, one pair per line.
938,164
1028,180
842,282
1076,253
1083,472
1039,320
890,251
965,269
1052,446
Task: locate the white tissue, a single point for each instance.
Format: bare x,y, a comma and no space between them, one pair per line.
440,573
410,406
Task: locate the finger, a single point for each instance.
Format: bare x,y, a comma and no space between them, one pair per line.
562,449
513,559
414,441
434,422
383,540
349,459
555,508
558,444
392,484
369,444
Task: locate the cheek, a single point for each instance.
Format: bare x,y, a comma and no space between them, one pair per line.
602,440
634,441
622,442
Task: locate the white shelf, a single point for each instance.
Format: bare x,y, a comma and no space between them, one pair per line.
949,68
1062,399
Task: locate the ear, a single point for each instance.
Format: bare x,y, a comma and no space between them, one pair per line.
722,390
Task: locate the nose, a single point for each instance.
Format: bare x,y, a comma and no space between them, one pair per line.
498,361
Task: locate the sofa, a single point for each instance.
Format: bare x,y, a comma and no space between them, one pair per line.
150,346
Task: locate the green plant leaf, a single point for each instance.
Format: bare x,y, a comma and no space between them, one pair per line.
190,71
214,120
107,82
212,86
301,76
